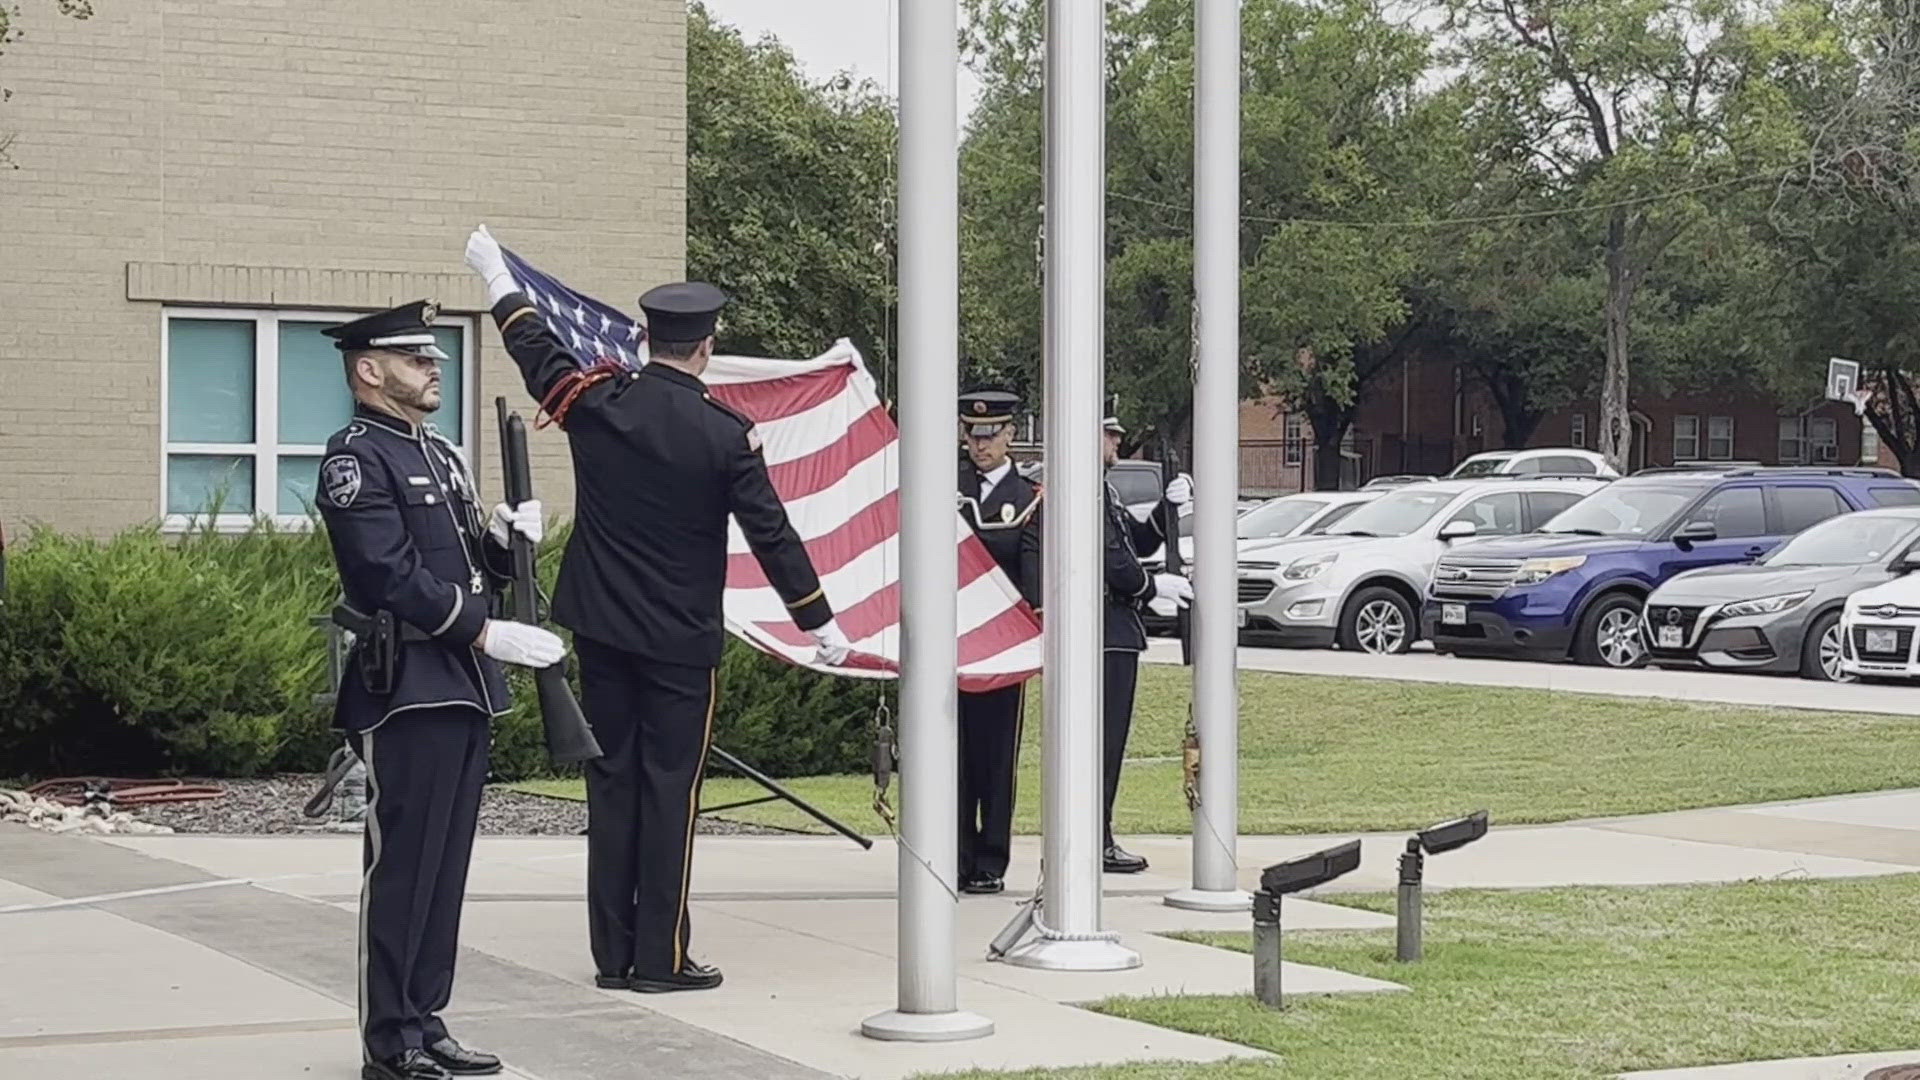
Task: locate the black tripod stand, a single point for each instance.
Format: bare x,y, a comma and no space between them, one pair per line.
777,794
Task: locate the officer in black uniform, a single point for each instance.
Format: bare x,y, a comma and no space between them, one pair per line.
1129,587
1003,509
659,466
419,570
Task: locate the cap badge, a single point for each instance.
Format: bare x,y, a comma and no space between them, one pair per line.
979,406
428,312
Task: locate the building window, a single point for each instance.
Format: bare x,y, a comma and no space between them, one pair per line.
1792,445
1869,444
1720,438
1823,439
249,399
1686,438
1577,432
1295,436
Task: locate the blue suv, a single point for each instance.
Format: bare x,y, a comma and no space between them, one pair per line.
1575,587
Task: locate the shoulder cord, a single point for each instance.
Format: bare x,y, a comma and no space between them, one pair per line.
569,389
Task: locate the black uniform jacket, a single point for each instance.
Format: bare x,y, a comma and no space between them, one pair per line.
1008,523
1129,586
658,465
408,536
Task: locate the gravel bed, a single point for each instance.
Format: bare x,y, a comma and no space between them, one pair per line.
272,806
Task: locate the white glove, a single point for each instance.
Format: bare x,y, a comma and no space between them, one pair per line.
526,521
1171,592
519,643
484,255
833,644
1180,492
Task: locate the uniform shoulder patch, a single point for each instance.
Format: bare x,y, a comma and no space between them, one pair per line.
340,479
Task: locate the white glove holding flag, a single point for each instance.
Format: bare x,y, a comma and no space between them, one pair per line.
519,643
1180,492
1171,592
526,521
833,644
484,255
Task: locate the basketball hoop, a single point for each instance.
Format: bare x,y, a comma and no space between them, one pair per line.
1843,384
1859,400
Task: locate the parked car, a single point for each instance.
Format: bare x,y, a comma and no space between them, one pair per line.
1780,615
1303,514
1877,626
1577,589
1547,461
1359,584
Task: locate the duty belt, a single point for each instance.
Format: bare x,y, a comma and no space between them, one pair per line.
361,626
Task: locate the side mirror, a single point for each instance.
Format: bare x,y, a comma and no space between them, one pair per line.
1458,529
1908,563
1696,532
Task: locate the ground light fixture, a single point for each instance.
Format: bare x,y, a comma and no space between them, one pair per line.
1444,837
1276,881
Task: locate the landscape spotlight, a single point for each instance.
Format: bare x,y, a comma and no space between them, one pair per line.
1276,881
1433,840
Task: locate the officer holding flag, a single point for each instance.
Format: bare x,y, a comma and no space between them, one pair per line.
659,468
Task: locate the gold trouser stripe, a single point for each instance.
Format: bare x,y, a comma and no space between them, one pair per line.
1019,736
511,319
807,599
693,809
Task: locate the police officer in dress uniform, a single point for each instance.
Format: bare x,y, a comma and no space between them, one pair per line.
659,466
1003,508
1129,586
420,568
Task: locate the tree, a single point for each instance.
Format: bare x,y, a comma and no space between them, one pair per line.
1634,108
1339,144
790,196
9,33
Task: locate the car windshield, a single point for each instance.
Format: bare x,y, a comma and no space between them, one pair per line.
1278,518
1394,515
1622,510
1487,466
1844,541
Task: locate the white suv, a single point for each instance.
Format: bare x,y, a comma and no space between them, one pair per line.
1359,586
1879,624
1545,461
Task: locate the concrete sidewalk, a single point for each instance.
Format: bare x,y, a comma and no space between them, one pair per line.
1422,666
251,960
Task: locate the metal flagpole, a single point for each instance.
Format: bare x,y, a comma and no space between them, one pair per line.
1069,935
929,199
1216,456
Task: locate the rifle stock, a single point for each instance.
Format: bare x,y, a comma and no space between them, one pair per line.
569,739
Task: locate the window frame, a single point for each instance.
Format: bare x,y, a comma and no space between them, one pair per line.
1723,455
1577,431
265,449
1293,436
1694,439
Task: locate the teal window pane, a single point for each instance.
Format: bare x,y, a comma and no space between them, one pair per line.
210,380
450,419
196,483
299,477
314,399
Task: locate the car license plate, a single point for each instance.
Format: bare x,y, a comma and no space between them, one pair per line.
1453,614
1669,637
1882,641
1240,617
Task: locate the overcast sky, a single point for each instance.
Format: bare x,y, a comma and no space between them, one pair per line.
829,36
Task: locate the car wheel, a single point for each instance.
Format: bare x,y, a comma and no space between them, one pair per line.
1610,634
1377,620
1820,652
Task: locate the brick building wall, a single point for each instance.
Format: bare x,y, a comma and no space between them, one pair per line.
248,154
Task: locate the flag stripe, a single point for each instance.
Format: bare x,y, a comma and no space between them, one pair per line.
814,473
776,399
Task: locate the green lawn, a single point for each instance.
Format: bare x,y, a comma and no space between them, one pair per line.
1337,755
1560,984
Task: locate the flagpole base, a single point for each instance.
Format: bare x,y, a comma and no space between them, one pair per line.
1048,954
897,1026
1210,900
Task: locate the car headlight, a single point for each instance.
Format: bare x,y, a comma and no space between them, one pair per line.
1309,568
1535,571
1766,605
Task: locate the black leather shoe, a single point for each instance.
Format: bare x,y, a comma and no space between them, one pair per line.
693,976
982,884
460,1061
1121,861
408,1065
612,982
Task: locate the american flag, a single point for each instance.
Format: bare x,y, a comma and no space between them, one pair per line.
833,454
